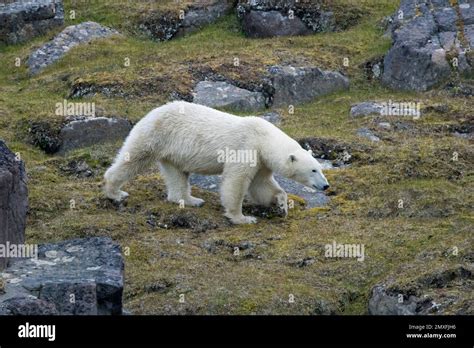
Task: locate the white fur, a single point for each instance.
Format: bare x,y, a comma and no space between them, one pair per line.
186,138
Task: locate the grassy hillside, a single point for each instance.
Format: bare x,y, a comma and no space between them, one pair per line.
414,164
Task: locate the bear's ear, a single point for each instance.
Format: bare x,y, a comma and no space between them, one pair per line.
292,158
310,152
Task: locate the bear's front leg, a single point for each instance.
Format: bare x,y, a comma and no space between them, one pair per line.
235,183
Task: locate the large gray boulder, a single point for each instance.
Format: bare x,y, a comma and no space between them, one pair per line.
269,18
295,85
21,21
89,131
223,94
70,37
73,277
13,201
431,39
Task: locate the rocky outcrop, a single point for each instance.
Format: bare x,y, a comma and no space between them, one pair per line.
21,21
223,94
89,131
163,26
295,85
74,277
13,201
431,40
389,302
70,37
429,293
269,18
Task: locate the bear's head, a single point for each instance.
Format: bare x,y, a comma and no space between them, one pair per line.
306,169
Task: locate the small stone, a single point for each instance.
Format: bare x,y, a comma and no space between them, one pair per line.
384,125
366,133
51,254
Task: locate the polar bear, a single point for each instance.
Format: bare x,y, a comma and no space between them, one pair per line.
189,138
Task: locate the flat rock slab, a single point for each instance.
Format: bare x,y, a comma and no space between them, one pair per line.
13,199
312,197
427,36
73,277
223,94
70,37
21,21
95,130
366,109
295,85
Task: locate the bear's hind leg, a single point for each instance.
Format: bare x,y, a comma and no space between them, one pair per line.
265,190
125,167
177,183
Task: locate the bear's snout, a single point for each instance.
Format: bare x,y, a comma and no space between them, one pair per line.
325,187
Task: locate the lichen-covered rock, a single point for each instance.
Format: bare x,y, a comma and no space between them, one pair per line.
295,85
13,200
89,131
430,41
386,302
165,25
70,37
73,277
430,293
223,94
21,21
268,18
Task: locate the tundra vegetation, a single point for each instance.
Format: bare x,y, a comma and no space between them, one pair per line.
407,198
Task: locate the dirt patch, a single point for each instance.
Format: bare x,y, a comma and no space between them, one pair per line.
181,220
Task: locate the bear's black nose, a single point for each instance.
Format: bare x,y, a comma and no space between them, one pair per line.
325,187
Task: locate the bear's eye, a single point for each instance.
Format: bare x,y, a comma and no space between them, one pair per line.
314,170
